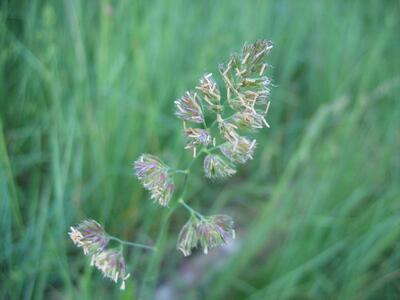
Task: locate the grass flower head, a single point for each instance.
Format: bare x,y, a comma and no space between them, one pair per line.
111,263
196,137
210,92
189,109
153,174
89,235
215,231
240,151
187,239
216,167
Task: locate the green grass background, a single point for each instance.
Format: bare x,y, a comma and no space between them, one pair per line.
87,86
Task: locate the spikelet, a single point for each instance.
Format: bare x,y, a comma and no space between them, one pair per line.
154,176
90,236
250,119
215,231
196,137
187,239
240,151
188,108
247,87
209,232
216,167
227,130
112,264
210,92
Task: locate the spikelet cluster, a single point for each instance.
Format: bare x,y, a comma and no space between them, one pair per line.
154,176
209,232
92,238
247,86
188,108
241,110
240,151
210,92
197,137
216,167
112,264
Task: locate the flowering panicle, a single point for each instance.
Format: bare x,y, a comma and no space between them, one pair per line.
247,95
112,264
216,167
189,109
196,137
245,106
247,86
90,236
153,174
239,152
209,232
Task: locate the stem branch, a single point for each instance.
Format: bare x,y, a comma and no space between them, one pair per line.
113,238
189,208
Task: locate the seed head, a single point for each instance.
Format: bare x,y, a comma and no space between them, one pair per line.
196,137
187,239
153,174
112,264
216,167
239,152
90,236
188,108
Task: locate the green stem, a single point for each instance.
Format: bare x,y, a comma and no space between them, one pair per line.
113,238
190,209
172,172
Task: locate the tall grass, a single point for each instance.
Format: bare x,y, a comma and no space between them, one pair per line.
86,86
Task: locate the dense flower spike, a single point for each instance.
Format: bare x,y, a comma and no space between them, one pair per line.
239,152
90,236
211,94
112,264
196,137
188,108
216,167
153,174
247,86
187,239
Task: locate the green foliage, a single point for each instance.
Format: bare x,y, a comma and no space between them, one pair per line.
87,86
